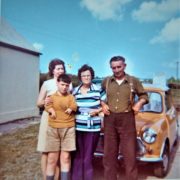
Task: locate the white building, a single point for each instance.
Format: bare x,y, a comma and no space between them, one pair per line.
19,75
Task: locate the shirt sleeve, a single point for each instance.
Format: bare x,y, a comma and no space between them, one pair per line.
102,94
140,91
103,90
50,105
103,84
73,104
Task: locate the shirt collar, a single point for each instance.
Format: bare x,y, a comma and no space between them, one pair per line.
126,78
90,88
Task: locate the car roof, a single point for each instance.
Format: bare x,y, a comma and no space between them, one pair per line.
155,87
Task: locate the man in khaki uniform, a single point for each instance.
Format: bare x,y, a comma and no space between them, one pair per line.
119,120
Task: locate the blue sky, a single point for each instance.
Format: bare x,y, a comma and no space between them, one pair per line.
146,33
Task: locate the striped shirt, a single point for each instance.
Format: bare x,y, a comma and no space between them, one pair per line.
86,103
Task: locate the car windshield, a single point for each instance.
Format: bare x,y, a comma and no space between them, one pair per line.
155,103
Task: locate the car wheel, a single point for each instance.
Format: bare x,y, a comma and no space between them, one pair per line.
176,140
177,135
161,169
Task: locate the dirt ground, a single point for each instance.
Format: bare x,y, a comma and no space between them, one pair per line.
19,159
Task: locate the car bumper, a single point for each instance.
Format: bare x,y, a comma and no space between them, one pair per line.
143,159
141,152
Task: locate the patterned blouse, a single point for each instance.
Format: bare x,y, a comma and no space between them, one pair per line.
86,103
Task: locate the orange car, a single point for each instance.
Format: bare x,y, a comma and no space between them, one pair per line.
157,131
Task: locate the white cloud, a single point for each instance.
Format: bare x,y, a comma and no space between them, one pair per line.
105,9
130,66
170,32
38,46
152,11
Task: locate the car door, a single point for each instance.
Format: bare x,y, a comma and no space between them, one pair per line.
171,118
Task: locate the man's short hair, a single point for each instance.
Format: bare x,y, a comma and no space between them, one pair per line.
117,58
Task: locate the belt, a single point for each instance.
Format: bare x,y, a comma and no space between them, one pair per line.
126,111
89,120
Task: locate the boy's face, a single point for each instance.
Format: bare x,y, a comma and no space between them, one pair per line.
63,87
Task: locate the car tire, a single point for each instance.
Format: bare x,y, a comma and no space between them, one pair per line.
176,140
177,135
161,169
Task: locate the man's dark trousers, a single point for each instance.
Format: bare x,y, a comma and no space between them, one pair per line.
119,128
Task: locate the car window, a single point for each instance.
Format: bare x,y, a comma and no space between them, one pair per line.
155,103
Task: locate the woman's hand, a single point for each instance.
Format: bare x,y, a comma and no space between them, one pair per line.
47,100
68,111
94,112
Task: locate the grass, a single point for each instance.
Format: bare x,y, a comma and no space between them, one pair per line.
18,156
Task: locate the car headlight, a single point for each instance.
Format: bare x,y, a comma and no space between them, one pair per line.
149,135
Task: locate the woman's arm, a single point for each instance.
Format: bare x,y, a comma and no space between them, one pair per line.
95,112
42,96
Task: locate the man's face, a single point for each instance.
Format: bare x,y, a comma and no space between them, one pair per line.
118,68
63,87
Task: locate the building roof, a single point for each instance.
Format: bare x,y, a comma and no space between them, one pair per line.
9,37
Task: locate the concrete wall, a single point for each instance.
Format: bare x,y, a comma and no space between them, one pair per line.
19,84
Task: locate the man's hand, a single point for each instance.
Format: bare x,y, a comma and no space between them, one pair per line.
136,108
105,108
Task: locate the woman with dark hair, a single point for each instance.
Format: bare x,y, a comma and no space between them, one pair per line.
52,66
88,124
56,67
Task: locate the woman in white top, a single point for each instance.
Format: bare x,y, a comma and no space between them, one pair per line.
56,67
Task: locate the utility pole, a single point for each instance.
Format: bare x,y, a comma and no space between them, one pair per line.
0,12
177,71
0,8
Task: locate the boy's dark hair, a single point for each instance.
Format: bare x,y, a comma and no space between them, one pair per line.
83,68
117,58
65,78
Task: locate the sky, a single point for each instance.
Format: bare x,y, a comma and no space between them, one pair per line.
145,32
